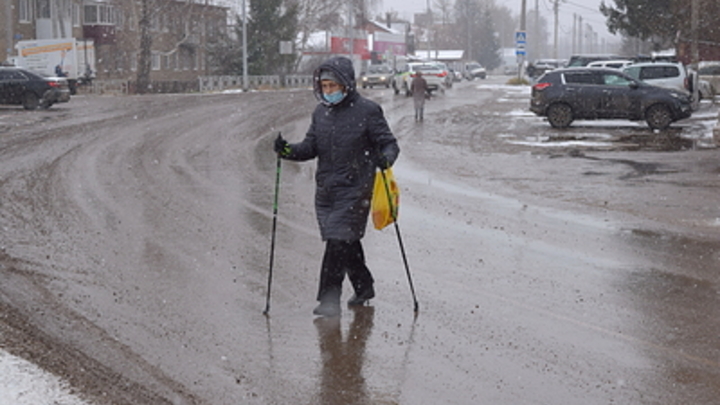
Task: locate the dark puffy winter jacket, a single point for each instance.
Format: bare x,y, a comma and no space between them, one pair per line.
350,139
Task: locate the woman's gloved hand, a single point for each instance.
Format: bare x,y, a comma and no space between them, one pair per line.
282,147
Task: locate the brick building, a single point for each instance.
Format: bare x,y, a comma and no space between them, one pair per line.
181,31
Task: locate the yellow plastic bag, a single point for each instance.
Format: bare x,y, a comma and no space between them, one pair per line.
385,199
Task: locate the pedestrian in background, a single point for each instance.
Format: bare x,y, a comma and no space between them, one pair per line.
350,138
418,88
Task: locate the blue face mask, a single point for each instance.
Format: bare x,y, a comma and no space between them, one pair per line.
334,98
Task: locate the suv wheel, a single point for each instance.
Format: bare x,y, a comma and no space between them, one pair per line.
559,115
658,116
30,101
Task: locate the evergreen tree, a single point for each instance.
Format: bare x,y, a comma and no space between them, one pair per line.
468,15
477,33
654,20
270,21
489,42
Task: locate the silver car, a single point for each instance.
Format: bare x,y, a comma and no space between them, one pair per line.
376,75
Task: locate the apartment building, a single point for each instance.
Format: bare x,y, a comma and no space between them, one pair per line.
182,32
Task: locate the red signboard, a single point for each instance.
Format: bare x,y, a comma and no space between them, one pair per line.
340,45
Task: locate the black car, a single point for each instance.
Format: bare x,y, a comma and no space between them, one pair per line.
22,87
568,94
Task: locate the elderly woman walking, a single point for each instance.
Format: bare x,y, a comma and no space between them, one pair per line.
350,138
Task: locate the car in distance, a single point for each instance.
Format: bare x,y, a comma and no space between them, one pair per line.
584,60
474,70
615,64
22,87
376,75
565,95
431,72
709,72
448,78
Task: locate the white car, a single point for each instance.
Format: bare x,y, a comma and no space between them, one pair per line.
670,75
448,76
431,72
474,70
709,73
613,64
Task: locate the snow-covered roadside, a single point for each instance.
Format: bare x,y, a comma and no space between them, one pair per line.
716,131
23,383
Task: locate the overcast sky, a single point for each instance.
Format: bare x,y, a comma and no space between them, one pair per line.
588,9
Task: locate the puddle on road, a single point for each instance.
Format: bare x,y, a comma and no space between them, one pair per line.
341,379
676,301
699,259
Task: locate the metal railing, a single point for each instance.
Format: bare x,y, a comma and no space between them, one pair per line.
203,84
220,83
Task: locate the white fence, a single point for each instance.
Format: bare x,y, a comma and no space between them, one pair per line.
219,83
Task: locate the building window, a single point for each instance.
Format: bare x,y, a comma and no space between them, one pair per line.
155,61
75,15
91,16
100,14
43,8
25,11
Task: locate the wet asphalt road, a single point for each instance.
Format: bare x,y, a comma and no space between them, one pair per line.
550,267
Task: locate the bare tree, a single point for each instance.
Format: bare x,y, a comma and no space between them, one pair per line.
145,53
316,15
147,14
328,15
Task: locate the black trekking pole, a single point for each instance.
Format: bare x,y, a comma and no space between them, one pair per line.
272,238
393,212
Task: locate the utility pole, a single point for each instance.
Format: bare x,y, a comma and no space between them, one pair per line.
694,20
523,27
574,34
10,34
429,27
556,8
536,34
351,34
244,45
580,35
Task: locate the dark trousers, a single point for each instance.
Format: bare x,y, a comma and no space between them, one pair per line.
343,257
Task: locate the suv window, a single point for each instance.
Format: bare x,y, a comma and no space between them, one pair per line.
611,79
710,70
379,69
582,78
12,75
425,68
653,72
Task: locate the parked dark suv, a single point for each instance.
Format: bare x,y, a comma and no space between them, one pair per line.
22,87
600,93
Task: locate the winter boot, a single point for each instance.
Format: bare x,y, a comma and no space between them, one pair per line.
360,299
327,309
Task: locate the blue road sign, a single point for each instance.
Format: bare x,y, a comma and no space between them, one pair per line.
520,40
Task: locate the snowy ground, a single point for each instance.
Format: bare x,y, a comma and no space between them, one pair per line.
24,383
